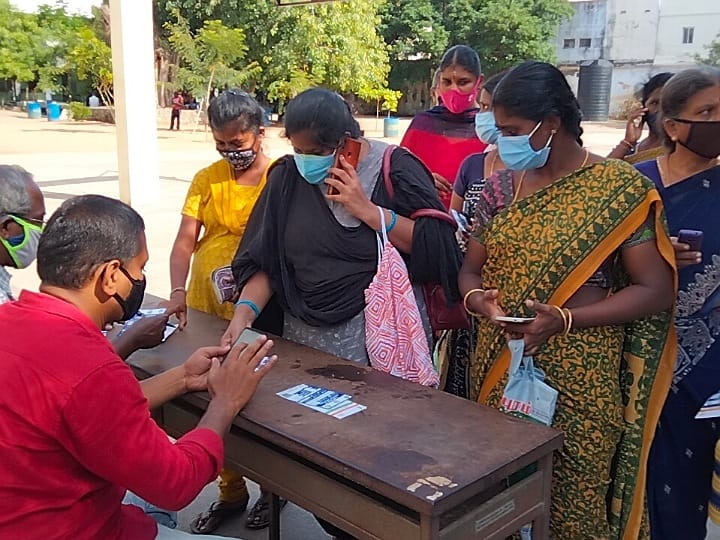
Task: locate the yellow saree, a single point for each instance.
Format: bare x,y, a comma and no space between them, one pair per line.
612,380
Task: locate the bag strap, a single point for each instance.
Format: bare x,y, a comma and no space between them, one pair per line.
386,170
423,212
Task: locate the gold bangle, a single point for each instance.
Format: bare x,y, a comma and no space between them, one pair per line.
570,321
465,299
178,289
628,144
562,315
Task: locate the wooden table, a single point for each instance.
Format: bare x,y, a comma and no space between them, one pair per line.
416,464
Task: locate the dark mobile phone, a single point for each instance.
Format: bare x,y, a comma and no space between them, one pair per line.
692,238
350,150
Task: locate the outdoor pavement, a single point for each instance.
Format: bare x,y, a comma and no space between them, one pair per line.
73,158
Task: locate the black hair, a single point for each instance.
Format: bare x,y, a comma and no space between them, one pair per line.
538,90
463,56
82,234
236,106
491,84
656,81
678,91
325,115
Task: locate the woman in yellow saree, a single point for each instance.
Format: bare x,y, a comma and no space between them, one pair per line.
579,243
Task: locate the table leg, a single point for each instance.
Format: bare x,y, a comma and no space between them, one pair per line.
274,517
429,527
541,525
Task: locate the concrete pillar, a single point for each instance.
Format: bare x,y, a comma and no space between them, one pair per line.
133,55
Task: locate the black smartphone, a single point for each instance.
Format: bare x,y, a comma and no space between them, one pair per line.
692,238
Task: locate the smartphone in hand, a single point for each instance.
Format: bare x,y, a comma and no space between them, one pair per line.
692,238
248,336
350,150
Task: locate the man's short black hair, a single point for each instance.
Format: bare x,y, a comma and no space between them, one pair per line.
84,233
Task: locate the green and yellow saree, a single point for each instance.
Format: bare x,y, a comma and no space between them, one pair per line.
612,380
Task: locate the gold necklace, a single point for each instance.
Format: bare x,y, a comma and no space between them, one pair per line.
522,177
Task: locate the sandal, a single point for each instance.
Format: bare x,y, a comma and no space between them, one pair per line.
259,515
218,512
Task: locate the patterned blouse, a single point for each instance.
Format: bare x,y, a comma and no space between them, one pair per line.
498,193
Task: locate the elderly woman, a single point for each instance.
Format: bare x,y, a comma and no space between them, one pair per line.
688,179
577,242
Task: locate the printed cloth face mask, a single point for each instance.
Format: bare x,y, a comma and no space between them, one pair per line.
703,138
23,247
314,169
518,154
485,127
240,160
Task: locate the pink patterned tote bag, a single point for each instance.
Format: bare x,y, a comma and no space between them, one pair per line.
394,334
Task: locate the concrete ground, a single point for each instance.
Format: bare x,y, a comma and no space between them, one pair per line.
69,158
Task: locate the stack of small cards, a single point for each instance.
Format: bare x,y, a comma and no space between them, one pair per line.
326,401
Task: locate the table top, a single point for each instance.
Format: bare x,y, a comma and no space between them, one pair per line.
420,447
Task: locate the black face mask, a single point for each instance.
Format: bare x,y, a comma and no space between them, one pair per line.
131,304
650,122
703,138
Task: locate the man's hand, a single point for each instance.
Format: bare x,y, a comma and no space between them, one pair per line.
197,367
234,382
145,333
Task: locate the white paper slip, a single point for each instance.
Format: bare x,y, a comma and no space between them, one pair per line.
322,400
711,408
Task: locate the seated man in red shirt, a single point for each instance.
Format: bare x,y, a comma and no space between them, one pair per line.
75,428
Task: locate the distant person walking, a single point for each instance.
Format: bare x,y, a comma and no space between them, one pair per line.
178,103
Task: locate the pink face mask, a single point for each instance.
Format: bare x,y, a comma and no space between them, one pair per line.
457,102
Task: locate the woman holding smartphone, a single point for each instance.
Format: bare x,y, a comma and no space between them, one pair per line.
578,243
688,179
317,252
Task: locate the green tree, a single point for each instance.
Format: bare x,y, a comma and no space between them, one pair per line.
413,28
713,54
335,45
506,32
210,56
91,59
20,44
59,34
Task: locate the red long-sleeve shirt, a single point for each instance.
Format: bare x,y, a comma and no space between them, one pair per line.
76,432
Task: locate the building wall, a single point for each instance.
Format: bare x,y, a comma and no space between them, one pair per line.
588,23
632,30
678,18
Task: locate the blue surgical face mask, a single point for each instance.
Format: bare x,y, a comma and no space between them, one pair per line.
314,169
485,127
518,154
